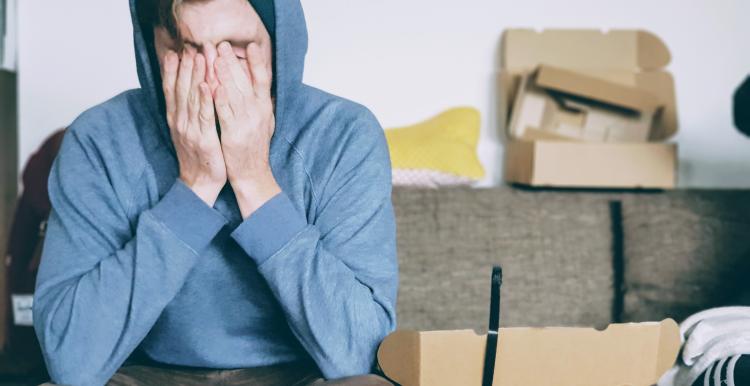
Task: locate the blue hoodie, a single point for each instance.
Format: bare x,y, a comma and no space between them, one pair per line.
133,259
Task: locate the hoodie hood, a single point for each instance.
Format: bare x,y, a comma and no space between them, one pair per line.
285,22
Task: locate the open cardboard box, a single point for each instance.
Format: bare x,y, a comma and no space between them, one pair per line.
621,355
549,80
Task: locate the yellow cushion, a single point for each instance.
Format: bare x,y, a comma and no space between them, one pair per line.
446,143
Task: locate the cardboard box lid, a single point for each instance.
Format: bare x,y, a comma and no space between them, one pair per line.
598,89
628,50
623,354
629,57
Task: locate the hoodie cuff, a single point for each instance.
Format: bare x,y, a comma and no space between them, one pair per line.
269,228
188,217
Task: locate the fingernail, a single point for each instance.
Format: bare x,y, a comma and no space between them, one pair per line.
224,46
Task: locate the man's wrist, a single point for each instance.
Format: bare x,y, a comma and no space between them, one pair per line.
208,192
186,215
252,194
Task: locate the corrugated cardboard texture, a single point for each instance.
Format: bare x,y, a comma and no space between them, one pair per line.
623,354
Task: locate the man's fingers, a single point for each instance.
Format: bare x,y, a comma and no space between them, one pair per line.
199,71
222,71
223,109
246,69
234,97
206,115
169,77
184,80
194,98
260,68
241,80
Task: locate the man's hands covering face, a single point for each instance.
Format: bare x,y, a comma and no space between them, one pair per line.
245,112
190,115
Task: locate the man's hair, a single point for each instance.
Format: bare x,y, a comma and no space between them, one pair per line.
162,13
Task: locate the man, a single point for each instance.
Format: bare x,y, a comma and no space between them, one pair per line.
224,222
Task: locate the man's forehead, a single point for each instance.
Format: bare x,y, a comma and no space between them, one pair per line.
212,23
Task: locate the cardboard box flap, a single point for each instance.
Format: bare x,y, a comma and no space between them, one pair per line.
575,83
661,83
623,354
670,344
524,49
400,354
652,51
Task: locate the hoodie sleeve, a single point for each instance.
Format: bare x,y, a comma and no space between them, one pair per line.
104,279
337,278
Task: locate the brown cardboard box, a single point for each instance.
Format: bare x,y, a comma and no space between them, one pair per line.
623,354
571,91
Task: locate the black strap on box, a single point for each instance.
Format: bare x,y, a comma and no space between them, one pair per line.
492,334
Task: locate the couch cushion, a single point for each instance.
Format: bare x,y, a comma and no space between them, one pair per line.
555,249
685,251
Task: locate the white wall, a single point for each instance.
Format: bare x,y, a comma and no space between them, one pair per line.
71,56
407,60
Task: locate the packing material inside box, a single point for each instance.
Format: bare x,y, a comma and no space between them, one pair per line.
623,354
570,105
581,94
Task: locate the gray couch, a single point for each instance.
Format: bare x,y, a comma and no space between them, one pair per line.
570,258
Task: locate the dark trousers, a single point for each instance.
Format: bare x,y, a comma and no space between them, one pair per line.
140,370
287,374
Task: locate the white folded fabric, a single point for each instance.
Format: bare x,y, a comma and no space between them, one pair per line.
708,337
